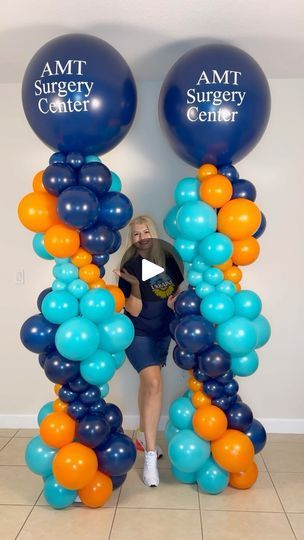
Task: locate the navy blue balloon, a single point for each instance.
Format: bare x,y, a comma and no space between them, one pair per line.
95,176
117,481
172,325
222,402
75,160
257,434
116,242
92,430
91,395
243,189
66,395
232,399
42,358
38,334
60,370
99,407
213,389
115,210
214,361
187,303
184,359
239,416
226,377
78,384
231,388
229,171
58,177
42,295
97,239
113,415
261,228
117,455
200,375
57,157
77,409
77,207
101,259
92,101
194,333
200,112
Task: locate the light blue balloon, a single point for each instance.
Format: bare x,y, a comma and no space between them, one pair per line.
194,277
263,330
188,452
187,249
187,190
199,265
169,222
217,307
38,246
104,390
237,336
39,456
92,159
56,495
46,409
116,334
119,358
188,266
65,272
247,304
170,431
116,182
196,220
98,305
214,276
59,306
181,412
243,366
78,288
188,394
185,478
211,478
58,285
203,289
215,248
77,339
226,287
99,368
61,260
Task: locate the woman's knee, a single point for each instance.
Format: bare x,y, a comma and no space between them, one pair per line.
152,384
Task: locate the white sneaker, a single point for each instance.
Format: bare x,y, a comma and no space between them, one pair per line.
150,475
140,443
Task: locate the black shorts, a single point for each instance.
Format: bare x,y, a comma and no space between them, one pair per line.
147,351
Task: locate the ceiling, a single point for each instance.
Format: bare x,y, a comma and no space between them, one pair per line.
152,35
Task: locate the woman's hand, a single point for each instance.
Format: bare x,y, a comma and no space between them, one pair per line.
124,274
171,300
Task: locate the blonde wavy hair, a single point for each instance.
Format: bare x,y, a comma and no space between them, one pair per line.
157,254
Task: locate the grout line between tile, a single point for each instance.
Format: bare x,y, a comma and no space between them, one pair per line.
110,533
200,512
28,515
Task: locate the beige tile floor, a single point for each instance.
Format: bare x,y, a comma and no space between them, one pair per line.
272,510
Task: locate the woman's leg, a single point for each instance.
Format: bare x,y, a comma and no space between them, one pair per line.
150,399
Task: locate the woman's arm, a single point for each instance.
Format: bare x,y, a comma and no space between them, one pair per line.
133,302
171,299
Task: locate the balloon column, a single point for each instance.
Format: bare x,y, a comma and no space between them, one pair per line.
79,97
214,107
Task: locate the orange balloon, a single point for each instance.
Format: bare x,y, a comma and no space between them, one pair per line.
245,251
194,384
37,211
239,218
61,241
206,170
96,492
224,266
216,190
199,399
209,422
60,406
75,465
57,388
234,274
81,258
246,479
98,284
37,182
57,429
234,451
238,287
89,273
119,297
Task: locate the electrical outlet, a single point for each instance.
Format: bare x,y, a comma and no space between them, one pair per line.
20,277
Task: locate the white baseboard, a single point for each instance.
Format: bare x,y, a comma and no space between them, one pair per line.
272,425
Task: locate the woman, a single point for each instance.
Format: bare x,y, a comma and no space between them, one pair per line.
149,305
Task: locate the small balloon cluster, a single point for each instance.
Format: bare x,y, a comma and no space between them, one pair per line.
211,432
76,210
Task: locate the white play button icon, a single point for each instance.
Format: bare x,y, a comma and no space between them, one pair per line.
149,269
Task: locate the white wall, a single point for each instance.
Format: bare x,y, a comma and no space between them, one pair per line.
149,170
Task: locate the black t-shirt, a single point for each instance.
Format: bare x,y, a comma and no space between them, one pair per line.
155,316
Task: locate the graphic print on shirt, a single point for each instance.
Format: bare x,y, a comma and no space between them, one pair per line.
162,285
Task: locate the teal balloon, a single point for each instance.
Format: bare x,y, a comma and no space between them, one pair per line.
243,366
170,431
56,495
92,159
187,249
38,246
181,412
104,390
116,334
263,330
60,260
188,452
99,368
216,248
217,307
203,289
247,304
199,265
214,276
77,339
211,478
169,223
65,272
78,288
188,394
97,305
196,220
187,190
59,306
46,409
237,336
116,182
185,478
119,358
226,287
58,285
39,456
194,277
